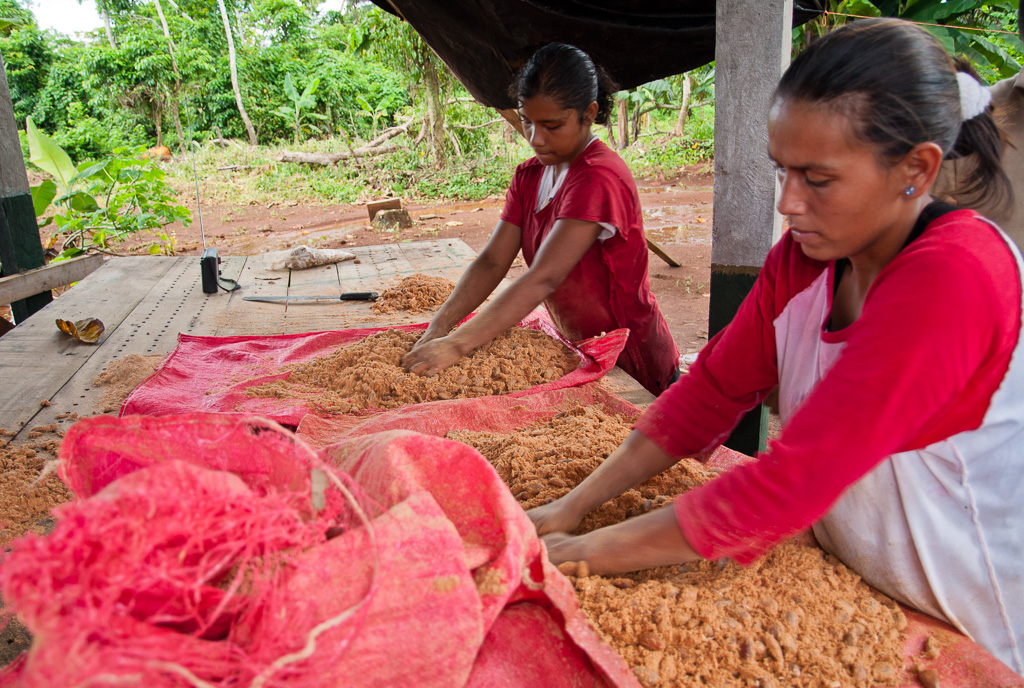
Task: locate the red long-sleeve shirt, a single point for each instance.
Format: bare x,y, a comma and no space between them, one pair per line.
921,363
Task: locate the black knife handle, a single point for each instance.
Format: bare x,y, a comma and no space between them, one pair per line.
359,296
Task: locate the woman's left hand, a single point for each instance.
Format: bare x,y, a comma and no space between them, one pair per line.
643,542
432,357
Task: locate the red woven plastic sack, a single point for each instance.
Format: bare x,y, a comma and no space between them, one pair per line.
535,631
211,373
195,554
181,536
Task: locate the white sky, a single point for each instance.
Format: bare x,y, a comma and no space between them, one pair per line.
67,16
72,16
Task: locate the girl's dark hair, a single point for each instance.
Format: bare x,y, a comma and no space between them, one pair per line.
568,76
898,86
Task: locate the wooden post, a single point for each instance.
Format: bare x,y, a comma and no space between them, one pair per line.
20,247
752,49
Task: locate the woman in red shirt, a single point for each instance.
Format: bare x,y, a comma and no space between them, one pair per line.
891,323
574,212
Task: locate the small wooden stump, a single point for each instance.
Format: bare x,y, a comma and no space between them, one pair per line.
387,204
392,220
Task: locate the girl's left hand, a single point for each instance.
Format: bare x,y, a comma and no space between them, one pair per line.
432,357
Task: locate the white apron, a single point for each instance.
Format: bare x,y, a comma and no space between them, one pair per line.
936,529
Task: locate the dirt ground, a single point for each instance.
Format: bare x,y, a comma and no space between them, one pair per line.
677,215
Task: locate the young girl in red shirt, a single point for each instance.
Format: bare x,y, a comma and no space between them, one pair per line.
575,213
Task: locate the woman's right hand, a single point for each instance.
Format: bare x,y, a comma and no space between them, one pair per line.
557,517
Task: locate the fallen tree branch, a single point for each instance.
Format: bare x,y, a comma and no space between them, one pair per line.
390,133
368,150
335,158
224,142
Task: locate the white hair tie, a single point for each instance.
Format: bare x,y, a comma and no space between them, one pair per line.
974,97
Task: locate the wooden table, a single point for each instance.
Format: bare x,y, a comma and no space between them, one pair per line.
146,301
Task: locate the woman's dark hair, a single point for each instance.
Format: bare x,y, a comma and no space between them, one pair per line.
568,76
898,86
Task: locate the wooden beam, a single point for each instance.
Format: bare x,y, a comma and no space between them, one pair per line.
512,117
662,253
32,282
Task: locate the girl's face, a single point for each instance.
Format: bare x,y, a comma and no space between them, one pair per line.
556,134
839,200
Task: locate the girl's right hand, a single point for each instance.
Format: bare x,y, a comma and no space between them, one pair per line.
556,517
433,357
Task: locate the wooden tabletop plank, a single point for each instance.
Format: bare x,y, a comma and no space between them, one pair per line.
243,317
37,360
618,382
176,304
165,298
313,316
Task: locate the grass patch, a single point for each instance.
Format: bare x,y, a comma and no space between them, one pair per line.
246,175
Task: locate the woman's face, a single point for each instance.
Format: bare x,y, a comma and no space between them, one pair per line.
556,134
838,199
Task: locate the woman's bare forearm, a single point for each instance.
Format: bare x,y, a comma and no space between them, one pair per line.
506,310
472,289
643,542
636,460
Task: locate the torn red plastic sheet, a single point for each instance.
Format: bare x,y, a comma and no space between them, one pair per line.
419,568
210,374
506,413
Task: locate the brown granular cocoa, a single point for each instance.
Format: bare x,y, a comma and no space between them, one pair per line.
795,617
122,376
544,461
369,373
29,486
414,294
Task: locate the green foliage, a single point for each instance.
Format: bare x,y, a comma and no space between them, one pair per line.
301,104
96,204
283,20
50,157
668,156
374,112
28,54
964,27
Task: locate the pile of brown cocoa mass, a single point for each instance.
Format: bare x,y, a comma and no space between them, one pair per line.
121,377
795,617
369,373
29,486
414,294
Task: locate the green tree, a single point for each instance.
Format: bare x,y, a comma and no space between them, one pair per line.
28,55
985,33
302,104
283,21
396,44
234,74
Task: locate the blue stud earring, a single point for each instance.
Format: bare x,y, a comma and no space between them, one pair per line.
909,191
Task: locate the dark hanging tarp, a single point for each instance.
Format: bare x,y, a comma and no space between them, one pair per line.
484,42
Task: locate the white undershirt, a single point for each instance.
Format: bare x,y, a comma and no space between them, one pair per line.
551,181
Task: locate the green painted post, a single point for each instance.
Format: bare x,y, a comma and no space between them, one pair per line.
20,246
728,289
752,47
